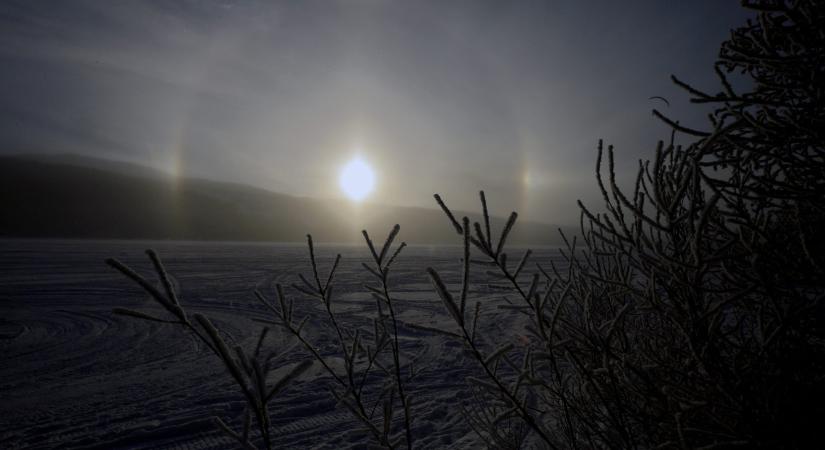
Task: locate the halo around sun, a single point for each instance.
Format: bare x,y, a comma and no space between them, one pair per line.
357,179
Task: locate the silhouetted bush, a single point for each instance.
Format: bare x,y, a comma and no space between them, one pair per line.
691,315
372,379
249,371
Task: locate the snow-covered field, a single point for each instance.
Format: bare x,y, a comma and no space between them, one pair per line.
73,375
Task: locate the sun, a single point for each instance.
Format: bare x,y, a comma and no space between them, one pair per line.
357,179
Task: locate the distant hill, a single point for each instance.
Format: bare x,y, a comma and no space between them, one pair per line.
81,197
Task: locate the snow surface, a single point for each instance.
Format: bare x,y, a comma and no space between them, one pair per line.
73,375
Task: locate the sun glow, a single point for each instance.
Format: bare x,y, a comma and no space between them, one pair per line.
357,179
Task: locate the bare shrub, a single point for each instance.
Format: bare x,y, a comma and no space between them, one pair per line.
690,314
365,351
248,371
371,354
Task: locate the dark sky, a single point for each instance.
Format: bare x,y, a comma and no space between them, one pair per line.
438,96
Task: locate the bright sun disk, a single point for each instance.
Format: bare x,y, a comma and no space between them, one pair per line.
357,179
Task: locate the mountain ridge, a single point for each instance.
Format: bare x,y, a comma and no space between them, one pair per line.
71,196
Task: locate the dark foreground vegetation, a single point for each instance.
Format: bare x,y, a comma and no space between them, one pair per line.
691,314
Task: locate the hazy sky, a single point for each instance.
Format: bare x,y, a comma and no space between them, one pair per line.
439,96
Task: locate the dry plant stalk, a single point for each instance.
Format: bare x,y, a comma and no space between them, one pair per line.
367,352
363,348
248,371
